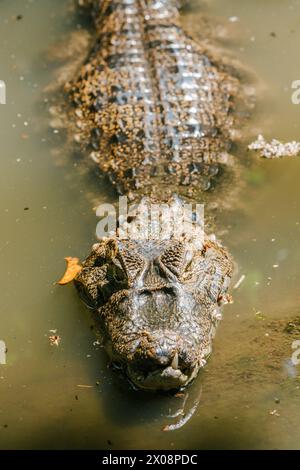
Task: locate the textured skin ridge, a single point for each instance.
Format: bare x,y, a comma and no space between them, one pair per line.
157,110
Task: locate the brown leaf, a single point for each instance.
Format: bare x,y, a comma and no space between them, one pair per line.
73,268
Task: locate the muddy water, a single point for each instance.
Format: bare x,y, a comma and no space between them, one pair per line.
66,397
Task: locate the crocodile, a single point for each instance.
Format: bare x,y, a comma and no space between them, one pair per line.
155,110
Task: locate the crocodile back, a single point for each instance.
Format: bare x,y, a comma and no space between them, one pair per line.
157,109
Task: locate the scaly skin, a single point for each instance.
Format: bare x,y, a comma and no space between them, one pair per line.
155,110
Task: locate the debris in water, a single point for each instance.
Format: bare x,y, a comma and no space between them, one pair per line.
85,386
54,340
73,268
241,279
275,148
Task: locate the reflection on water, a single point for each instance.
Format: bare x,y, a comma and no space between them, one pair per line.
66,396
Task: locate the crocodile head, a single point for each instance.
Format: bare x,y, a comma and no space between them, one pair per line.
158,304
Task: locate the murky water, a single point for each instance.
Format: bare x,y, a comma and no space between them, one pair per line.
66,397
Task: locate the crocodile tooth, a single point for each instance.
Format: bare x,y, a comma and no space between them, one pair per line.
175,362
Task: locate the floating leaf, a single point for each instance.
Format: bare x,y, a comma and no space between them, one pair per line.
73,268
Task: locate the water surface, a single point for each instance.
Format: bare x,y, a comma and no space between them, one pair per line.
46,215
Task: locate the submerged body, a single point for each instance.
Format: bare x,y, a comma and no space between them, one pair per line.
156,112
